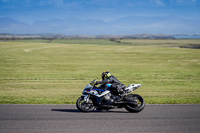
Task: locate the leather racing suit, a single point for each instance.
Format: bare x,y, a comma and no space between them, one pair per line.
117,87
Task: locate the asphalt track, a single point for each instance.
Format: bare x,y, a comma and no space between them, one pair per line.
67,119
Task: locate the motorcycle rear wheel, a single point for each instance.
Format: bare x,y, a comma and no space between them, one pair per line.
85,107
136,103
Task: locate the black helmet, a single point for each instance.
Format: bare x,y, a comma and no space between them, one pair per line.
105,75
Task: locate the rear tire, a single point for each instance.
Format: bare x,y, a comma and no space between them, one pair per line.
136,103
84,107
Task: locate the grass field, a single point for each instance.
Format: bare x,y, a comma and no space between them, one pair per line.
56,71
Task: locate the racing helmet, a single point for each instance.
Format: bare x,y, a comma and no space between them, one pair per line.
105,75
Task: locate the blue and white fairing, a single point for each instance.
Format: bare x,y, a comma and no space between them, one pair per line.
97,93
90,89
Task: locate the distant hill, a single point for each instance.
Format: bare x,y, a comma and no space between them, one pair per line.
129,25
4,36
60,36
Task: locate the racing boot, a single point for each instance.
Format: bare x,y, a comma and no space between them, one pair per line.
120,97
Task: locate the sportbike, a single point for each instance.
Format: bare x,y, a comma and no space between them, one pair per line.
99,98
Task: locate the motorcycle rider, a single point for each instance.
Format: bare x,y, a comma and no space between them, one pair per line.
116,86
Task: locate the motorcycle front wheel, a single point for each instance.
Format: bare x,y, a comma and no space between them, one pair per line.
135,103
83,106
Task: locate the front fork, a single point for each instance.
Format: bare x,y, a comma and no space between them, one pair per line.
89,99
86,98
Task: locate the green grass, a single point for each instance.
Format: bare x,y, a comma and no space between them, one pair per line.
42,72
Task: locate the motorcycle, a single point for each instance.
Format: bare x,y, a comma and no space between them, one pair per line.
99,98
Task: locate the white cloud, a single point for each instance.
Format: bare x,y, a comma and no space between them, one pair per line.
51,2
186,1
4,1
55,2
158,2
194,1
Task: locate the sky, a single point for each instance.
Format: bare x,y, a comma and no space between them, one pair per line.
100,17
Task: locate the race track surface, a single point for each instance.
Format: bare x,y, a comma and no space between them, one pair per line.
67,119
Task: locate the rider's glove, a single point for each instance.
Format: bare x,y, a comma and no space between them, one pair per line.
97,82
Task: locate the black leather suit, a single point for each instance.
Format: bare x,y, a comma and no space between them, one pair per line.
117,87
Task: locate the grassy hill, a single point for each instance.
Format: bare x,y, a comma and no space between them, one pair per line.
55,72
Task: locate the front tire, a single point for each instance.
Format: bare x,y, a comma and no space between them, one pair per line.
83,106
135,103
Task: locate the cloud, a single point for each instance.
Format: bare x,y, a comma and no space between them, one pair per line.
5,1
185,2
194,1
158,2
51,2
55,2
